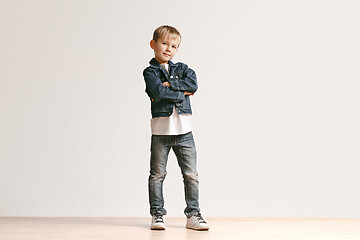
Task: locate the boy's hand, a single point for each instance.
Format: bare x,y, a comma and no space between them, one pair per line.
166,84
189,94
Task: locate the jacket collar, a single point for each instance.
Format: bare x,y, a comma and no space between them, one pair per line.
153,62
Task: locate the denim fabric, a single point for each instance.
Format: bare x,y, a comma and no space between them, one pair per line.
184,148
163,99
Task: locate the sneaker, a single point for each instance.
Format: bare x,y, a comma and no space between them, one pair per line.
197,222
157,223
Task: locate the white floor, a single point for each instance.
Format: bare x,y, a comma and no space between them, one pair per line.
13,228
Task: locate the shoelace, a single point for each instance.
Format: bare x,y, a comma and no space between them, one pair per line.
199,218
158,219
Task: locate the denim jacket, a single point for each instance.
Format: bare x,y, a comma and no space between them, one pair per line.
163,99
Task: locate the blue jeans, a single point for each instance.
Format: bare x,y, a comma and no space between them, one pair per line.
184,148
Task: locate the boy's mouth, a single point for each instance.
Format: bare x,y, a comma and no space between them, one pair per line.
166,54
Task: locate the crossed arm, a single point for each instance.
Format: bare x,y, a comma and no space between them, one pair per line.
167,84
174,89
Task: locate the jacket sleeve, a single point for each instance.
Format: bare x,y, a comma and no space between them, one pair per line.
187,83
157,91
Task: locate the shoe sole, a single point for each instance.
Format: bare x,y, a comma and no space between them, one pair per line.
157,228
198,229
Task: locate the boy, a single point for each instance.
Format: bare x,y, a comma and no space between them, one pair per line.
169,86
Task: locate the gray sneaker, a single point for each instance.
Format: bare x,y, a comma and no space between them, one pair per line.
197,222
157,223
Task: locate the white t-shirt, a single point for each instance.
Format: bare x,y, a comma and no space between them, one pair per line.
175,124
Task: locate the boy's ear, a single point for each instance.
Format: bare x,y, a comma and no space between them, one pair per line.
152,44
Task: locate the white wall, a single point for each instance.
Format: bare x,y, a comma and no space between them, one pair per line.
276,118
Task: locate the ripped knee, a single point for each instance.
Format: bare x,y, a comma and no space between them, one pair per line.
158,176
193,176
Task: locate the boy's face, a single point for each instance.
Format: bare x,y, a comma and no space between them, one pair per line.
165,48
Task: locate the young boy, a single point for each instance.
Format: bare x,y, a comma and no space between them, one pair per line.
169,86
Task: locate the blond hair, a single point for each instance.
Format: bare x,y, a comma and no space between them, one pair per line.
164,30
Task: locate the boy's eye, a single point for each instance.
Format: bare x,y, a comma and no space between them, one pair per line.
174,47
164,43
